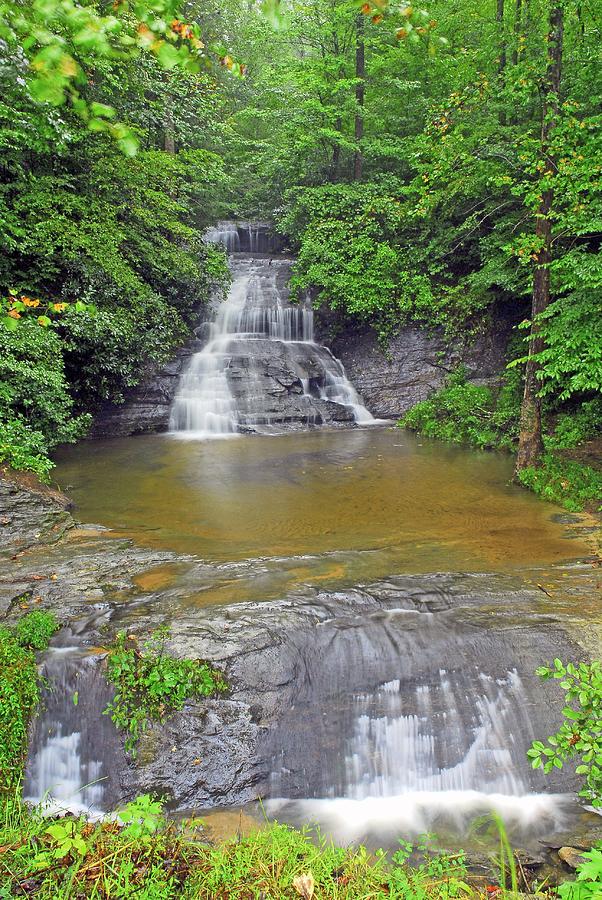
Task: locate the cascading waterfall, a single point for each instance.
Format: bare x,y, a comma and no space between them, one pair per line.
73,744
429,759
260,368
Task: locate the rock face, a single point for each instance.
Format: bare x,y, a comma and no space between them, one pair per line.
416,364
30,512
146,407
313,680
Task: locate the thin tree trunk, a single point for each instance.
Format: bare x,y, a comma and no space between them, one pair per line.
169,141
530,445
336,154
360,89
499,18
518,15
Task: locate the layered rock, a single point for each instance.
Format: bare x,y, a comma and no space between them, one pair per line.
416,363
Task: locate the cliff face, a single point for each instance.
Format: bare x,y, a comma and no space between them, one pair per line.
416,364
146,408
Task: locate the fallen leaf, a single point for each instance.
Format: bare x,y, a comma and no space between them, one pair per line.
304,885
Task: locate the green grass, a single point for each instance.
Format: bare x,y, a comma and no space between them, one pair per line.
146,856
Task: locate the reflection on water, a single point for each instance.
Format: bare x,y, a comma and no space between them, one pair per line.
323,507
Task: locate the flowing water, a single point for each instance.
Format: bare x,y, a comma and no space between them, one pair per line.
407,698
260,368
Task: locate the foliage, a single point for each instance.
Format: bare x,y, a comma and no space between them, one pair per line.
22,448
19,690
56,43
564,481
34,630
465,413
36,409
577,426
151,684
580,735
163,859
101,248
589,878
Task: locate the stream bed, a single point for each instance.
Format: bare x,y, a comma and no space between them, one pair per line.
379,603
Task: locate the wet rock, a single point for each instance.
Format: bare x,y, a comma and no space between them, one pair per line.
571,857
303,670
415,364
146,407
30,512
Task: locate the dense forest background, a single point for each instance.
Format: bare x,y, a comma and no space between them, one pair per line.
439,166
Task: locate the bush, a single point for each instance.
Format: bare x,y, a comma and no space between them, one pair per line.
34,630
19,690
580,734
576,427
151,684
563,481
466,413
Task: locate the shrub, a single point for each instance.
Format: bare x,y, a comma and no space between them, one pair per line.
151,684
19,690
580,734
466,413
563,481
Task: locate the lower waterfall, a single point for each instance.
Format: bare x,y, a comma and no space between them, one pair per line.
260,368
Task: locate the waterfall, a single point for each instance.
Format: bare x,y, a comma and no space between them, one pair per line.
260,368
429,758
74,747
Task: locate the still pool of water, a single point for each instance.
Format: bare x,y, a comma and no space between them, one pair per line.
330,507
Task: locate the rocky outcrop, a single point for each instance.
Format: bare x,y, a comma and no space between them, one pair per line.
304,671
146,407
30,512
416,363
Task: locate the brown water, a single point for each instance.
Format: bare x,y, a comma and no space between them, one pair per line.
339,507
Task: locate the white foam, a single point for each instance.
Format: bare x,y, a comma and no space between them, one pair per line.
418,812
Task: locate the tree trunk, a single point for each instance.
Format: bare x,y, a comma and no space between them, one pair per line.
169,141
530,443
518,15
499,18
336,154
360,88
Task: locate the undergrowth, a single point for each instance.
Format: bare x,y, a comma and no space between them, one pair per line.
143,855
564,481
19,689
151,683
465,413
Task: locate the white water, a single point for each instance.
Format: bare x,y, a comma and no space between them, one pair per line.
61,780
225,384
447,762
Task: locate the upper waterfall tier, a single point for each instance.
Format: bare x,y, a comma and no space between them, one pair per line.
260,368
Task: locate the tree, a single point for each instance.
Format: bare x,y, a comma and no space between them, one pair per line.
530,443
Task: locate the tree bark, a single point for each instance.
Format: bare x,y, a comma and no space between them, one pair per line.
169,141
360,90
499,18
530,444
336,154
518,16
